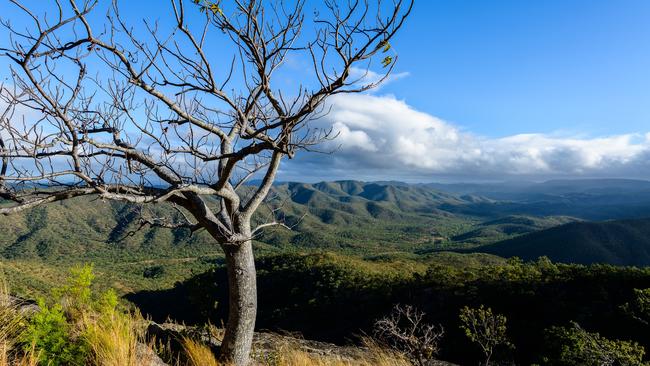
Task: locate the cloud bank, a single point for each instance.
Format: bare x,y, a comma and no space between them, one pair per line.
381,137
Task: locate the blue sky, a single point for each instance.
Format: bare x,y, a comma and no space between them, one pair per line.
484,90
505,67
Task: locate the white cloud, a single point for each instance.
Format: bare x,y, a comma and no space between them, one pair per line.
385,138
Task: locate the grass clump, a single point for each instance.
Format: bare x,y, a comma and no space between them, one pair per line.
372,355
12,327
198,353
72,327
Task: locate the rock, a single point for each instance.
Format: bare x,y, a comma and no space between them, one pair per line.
25,307
264,343
148,357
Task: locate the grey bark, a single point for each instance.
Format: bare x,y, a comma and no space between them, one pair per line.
242,287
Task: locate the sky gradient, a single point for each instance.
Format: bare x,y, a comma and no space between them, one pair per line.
517,90
506,67
482,90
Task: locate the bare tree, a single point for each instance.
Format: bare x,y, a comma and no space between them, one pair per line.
182,115
405,330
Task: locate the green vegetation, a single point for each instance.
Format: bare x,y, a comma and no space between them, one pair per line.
375,221
307,292
575,346
331,297
77,326
72,326
484,328
358,219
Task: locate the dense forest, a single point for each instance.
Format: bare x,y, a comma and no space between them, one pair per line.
334,298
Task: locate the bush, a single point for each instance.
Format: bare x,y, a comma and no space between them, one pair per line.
575,346
78,327
154,272
485,328
53,337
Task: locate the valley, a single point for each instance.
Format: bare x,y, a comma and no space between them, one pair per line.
372,221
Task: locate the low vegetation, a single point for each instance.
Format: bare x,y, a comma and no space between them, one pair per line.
599,315
572,345
362,249
75,325
405,331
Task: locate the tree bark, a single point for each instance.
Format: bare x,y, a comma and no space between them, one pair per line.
242,285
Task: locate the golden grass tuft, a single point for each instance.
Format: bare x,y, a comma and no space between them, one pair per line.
29,358
294,357
292,354
199,354
113,340
12,326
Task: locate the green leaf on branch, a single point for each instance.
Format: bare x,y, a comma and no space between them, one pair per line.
387,61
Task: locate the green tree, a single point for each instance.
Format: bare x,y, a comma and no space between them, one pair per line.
639,307
575,346
485,328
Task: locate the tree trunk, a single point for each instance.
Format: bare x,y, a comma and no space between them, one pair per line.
242,284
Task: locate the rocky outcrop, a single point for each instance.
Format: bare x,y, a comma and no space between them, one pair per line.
264,343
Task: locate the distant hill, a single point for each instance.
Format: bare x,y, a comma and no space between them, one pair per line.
346,215
494,230
365,218
622,242
588,199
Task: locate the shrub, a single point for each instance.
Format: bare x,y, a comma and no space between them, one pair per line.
485,328
404,330
53,337
639,307
153,272
573,345
77,327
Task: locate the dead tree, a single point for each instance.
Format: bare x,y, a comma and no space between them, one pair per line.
405,330
138,113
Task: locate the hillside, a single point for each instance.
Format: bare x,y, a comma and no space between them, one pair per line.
509,226
388,220
350,216
622,242
343,214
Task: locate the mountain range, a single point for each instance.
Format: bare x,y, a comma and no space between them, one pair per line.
566,220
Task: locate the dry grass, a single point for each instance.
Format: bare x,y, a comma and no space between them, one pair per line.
199,354
29,358
114,339
291,353
11,327
375,357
